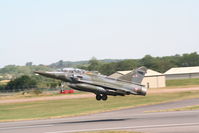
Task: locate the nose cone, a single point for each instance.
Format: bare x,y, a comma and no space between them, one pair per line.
56,75
40,73
46,74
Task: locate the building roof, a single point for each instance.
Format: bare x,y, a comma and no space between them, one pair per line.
148,74
124,72
182,70
152,73
4,81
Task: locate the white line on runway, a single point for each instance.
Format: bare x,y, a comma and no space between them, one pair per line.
8,128
132,127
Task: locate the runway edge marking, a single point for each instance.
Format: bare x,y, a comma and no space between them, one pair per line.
21,127
133,127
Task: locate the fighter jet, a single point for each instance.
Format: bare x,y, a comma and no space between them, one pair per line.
101,85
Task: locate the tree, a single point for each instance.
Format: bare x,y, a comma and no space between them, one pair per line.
60,64
29,64
108,68
148,61
94,64
22,83
190,59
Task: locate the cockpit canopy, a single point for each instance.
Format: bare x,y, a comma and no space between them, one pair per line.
73,70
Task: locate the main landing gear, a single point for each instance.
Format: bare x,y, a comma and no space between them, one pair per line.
101,97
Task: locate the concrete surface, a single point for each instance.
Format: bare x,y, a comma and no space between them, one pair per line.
127,119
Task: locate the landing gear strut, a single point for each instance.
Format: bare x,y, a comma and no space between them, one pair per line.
101,97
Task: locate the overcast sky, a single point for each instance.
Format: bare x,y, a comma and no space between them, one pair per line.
45,31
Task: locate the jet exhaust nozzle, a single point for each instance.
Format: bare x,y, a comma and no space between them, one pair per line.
143,91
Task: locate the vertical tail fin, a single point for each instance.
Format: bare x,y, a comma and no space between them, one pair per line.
135,76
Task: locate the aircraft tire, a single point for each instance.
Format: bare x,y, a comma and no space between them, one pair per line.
104,97
98,97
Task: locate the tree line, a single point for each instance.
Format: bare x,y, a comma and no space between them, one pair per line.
26,82
160,64
23,77
108,66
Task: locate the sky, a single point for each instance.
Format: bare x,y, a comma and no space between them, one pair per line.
46,31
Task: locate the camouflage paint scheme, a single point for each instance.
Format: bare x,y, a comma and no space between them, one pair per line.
101,85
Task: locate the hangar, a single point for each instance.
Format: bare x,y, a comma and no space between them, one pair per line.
152,79
182,73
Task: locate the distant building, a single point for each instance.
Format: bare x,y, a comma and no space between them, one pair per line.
182,73
8,76
118,74
152,79
4,81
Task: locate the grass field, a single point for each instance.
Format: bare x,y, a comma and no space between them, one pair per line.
186,108
72,107
195,107
19,95
182,82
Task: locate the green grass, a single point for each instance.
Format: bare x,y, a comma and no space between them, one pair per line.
72,107
182,82
20,95
195,107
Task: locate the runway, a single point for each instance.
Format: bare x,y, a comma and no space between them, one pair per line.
134,119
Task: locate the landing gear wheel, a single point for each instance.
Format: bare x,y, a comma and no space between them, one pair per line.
98,97
104,97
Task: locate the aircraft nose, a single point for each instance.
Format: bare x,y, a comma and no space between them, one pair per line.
46,74
38,72
56,75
